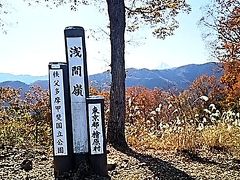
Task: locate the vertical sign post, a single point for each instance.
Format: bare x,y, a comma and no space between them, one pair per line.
97,139
61,121
78,82
77,119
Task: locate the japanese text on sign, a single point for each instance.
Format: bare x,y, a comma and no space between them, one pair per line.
58,112
95,126
76,69
78,95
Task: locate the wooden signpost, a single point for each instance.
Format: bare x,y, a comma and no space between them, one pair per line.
77,70
77,67
61,119
81,138
98,158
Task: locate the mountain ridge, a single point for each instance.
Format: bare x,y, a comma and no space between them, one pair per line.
178,77
27,79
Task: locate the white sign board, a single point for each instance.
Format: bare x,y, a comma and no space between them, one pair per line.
58,112
95,128
78,96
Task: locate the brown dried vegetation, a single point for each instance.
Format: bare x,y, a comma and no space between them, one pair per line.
156,119
25,119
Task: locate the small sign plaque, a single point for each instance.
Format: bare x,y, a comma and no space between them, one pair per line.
95,127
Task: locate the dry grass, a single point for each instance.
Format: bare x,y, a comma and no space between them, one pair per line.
12,132
23,134
221,135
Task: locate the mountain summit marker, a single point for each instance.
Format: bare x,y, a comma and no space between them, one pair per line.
77,120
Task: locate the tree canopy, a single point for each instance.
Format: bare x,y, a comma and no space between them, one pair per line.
160,16
223,21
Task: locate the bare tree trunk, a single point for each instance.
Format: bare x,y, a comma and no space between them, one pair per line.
116,124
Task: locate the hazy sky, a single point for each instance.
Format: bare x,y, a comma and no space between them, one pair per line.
37,39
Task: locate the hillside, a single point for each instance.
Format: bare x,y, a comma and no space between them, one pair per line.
15,85
179,78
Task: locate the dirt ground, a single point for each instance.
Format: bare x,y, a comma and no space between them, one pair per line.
37,163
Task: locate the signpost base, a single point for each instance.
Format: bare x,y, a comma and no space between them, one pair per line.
63,167
81,164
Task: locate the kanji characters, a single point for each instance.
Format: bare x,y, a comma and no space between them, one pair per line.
78,90
75,51
76,71
57,98
95,130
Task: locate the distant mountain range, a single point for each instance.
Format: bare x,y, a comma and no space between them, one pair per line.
180,77
27,79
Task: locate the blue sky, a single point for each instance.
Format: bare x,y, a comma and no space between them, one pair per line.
37,39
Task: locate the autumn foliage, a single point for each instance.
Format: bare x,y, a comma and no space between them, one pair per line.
163,120
230,45
195,118
25,118
222,20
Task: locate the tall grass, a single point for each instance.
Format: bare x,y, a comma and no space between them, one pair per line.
155,120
